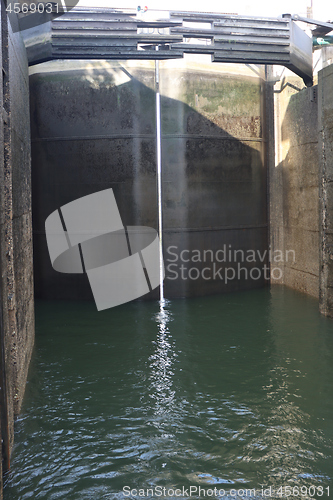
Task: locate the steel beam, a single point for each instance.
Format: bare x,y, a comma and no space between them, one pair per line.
89,33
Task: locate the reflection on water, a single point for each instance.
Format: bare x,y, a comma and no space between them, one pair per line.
160,365
234,391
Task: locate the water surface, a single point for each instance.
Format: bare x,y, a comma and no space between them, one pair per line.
232,391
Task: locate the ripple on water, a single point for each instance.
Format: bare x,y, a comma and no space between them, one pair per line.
156,398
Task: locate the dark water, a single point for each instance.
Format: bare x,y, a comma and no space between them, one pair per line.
231,392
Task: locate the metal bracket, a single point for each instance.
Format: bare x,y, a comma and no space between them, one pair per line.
296,17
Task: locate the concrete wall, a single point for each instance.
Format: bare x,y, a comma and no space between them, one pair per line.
325,101
21,209
93,127
17,315
214,173
294,187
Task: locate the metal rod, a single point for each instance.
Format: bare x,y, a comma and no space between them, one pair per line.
64,6
159,173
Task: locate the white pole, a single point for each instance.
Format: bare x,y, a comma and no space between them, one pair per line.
63,5
159,174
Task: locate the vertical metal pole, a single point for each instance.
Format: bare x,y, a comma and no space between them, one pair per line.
159,173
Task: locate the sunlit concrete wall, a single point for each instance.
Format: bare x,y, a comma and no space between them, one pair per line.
325,160
214,176
94,127
294,187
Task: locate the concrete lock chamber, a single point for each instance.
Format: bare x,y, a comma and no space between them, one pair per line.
94,128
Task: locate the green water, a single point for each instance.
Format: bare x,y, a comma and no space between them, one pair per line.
231,392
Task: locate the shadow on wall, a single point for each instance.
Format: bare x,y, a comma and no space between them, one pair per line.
93,130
